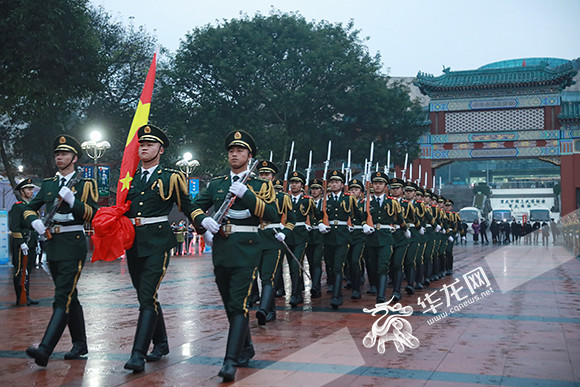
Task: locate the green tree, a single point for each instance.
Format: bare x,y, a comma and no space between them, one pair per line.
285,79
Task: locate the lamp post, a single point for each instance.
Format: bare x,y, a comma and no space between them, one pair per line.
186,164
95,148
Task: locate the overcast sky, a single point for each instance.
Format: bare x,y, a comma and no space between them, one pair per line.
411,35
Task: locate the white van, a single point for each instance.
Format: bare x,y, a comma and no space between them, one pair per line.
540,215
469,215
500,214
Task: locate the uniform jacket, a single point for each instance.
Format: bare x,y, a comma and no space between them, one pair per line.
388,212
303,210
341,210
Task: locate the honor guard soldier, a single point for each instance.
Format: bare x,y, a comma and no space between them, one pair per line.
236,246
340,208
272,234
454,221
314,246
66,248
154,189
357,245
387,218
413,257
432,232
439,260
303,208
401,236
424,215
23,242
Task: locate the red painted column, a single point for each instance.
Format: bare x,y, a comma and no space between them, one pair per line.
570,181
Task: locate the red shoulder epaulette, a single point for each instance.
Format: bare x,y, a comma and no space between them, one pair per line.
306,197
347,194
18,202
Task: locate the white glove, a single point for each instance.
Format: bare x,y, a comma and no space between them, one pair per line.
24,248
324,229
408,234
208,238
422,231
67,195
350,228
464,239
38,226
450,239
280,237
238,189
308,227
368,229
438,228
210,225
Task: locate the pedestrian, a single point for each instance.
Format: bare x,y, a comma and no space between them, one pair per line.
154,189
23,243
483,231
545,234
475,228
66,248
236,244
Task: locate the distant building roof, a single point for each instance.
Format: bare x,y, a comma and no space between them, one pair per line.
505,74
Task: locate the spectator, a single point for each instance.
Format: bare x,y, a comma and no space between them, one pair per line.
475,227
545,233
554,230
494,228
483,231
535,229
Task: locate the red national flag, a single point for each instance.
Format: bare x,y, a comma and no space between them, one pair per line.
114,232
131,156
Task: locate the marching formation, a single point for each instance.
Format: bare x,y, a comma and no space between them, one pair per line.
399,233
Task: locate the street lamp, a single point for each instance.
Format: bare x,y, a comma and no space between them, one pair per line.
186,164
95,148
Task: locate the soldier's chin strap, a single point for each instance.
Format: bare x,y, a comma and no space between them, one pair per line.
154,157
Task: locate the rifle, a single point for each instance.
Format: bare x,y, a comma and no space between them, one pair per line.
23,300
368,167
220,215
294,257
324,185
404,171
308,171
285,184
348,176
49,218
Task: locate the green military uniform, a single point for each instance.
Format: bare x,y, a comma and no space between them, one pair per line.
66,252
340,209
357,245
237,249
426,223
21,233
387,218
272,249
431,234
439,258
303,210
152,194
314,246
415,247
454,222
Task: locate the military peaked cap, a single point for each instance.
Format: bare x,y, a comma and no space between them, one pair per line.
396,182
337,175
152,133
66,143
297,176
355,183
243,139
315,183
379,177
267,166
26,183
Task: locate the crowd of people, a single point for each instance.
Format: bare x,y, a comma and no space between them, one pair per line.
514,231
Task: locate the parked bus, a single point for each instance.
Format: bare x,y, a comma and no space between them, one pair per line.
469,215
540,215
501,214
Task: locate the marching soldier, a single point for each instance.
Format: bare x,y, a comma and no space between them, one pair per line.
424,214
439,259
357,246
66,250
237,248
154,190
303,208
413,257
432,232
387,218
23,241
340,207
314,246
454,221
271,235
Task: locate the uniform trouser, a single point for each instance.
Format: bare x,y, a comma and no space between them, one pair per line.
314,256
441,253
17,262
299,251
268,266
355,257
337,253
146,275
449,255
410,260
428,254
397,262
382,255
235,286
65,275
329,264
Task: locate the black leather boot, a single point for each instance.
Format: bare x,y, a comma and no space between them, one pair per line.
316,291
381,289
236,339
248,351
336,300
271,316
255,295
76,327
160,342
145,328
52,334
296,297
397,281
410,274
265,303
355,278
17,288
427,273
419,277
29,301
279,282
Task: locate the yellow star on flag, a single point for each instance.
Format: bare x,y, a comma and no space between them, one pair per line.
126,181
